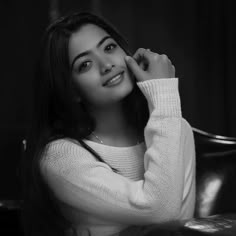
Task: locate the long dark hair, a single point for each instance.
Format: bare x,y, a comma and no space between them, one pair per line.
57,115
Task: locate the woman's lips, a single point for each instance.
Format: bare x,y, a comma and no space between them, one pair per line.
114,80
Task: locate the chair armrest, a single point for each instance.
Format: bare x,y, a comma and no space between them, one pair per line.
216,225
223,225
10,211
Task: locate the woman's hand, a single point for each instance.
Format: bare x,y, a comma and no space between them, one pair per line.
146,65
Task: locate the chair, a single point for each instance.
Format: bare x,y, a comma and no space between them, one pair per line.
10,218
216,192
215,174
10,211
215,210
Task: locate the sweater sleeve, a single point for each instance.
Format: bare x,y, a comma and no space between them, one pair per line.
83,183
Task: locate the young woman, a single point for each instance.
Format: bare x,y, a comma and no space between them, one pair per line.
109,148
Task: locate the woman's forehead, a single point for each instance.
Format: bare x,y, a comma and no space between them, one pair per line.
86,38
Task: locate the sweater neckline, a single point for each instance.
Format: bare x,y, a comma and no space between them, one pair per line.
109,146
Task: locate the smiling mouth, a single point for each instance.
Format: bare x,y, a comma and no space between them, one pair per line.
114,80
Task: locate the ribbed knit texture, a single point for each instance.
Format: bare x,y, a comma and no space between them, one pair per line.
164,94
156,179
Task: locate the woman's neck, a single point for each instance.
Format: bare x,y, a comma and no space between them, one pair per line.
110,120
113,127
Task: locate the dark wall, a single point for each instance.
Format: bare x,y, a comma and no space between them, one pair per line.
197,35
199,38
22,25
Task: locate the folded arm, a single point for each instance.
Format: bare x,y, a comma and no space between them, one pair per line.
78,180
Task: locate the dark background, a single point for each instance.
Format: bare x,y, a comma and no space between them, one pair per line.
197,35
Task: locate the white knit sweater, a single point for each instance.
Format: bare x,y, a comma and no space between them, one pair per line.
156,179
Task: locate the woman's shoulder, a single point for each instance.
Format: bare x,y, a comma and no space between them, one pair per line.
64,154
62,142
62,145
61,148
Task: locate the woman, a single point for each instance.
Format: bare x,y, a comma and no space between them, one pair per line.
109,148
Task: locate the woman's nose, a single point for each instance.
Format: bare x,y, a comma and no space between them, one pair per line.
106,66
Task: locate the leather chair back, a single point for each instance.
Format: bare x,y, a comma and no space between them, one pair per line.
216,174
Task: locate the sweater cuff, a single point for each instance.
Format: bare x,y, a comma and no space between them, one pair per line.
162,94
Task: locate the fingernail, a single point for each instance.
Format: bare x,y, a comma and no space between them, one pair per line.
127,58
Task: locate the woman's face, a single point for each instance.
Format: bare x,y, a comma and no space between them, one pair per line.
99,71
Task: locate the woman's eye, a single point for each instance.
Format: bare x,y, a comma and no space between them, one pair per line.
84,66
110,47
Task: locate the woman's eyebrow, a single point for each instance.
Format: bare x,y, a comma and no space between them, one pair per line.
102,41
88,51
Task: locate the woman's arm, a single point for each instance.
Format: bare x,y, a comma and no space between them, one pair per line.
184,172
83,183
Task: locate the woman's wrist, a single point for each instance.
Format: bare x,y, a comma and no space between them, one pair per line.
163,95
